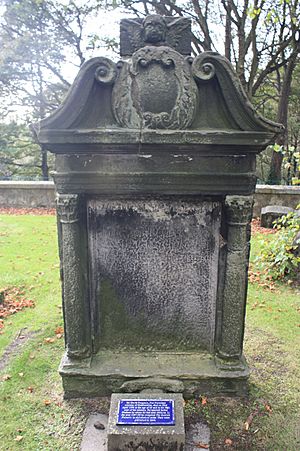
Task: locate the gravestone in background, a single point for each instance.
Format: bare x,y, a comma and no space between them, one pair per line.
155,172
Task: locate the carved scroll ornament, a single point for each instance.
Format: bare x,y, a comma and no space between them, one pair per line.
155,90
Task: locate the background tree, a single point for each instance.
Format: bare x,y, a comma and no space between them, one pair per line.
20,157
42,41
261,40
39,40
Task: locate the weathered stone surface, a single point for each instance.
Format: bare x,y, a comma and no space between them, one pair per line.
146,438
270,213
275,195
155,168
198,434
21,194
178,171
109,371
173,32
155,267
42,194
231,328
112,97
155,90
74,266
95,439
153,383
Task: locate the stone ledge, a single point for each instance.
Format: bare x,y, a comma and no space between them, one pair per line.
278,189
108,371
37,184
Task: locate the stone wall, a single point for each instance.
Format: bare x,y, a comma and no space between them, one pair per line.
41,194
288,196
27,194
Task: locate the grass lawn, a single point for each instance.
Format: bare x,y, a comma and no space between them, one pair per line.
33,413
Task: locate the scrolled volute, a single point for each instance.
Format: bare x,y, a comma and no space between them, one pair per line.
106,71
203,68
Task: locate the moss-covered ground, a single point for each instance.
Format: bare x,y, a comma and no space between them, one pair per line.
33,413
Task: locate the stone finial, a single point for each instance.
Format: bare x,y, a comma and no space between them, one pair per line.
155,30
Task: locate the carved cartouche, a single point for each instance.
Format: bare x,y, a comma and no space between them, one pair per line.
155,89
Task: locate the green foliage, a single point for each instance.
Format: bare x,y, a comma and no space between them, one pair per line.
280,257
291,164
19,155
263,161
266,101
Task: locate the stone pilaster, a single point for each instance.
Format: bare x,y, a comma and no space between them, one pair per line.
238,217
74,276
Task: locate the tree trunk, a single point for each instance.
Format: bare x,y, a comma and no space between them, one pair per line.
44,165
274,177
228,34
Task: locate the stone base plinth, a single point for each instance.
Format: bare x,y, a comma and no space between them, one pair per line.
188,373
146,437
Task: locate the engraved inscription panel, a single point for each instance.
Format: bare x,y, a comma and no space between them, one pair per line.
155,272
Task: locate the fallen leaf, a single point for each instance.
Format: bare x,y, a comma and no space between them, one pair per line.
18,438
13,302
256,228
201,445
41,211
268,408
49,340
204,401
6,377
21,374
249,421
59,330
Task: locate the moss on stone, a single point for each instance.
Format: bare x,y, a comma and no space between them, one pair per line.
119,331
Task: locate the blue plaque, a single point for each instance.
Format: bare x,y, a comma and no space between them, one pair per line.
146,412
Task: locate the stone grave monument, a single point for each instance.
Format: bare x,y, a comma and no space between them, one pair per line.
155,175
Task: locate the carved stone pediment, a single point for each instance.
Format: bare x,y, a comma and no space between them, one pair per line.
155,89
157,95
